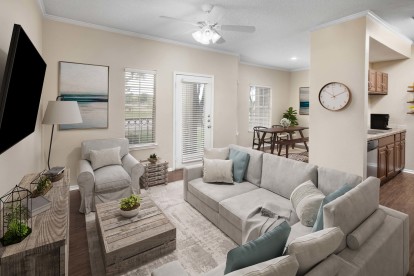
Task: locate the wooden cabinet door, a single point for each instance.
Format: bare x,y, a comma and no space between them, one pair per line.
397,156
382,163
402,154
372,81
390,160
384,83
378,83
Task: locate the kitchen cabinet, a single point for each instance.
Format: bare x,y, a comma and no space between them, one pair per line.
391,156
377,83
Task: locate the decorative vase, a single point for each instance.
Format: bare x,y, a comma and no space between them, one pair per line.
130,213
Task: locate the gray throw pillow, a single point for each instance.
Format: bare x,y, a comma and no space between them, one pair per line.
240,163
268,246
306,200
105,157
216,170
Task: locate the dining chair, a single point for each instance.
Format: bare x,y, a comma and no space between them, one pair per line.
281,136
257,138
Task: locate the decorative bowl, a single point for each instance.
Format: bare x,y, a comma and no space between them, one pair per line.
130,213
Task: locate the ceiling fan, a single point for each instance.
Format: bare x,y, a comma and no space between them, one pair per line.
208,32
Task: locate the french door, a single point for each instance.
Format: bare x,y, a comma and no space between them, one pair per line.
193,118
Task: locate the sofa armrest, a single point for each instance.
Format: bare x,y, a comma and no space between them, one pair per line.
86,182
333,265
406,238
135,171
191,173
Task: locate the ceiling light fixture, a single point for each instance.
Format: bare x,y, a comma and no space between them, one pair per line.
206,35
293,58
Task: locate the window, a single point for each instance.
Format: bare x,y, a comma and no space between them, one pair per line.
260,108
140,106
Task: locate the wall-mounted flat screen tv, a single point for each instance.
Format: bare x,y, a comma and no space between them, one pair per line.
21,90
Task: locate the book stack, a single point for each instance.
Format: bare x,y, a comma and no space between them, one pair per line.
38,205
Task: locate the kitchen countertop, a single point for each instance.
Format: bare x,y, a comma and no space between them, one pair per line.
393,131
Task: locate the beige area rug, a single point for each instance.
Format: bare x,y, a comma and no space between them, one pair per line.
200,245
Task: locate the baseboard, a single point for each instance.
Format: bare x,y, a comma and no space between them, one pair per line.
408,171
73,187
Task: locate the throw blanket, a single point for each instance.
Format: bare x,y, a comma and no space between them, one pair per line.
262,220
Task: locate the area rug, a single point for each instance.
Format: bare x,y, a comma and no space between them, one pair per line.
200,245
301,156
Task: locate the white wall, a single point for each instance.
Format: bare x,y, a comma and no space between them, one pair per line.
338,53
65,42
25,157
250,75
399,77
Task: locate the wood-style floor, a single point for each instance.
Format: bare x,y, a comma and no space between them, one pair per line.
397,194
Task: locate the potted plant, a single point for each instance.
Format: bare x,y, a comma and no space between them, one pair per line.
130,206
44,184
290,114
285,122
17,229
153,158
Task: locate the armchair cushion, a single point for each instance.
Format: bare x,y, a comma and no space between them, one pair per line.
111,178
99,144
105,157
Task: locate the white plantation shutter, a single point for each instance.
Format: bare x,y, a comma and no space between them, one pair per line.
140,106
260,108
193,132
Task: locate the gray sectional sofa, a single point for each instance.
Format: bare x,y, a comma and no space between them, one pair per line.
273,178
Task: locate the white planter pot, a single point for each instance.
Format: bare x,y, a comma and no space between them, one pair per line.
130,213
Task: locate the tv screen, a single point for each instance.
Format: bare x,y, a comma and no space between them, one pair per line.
21,90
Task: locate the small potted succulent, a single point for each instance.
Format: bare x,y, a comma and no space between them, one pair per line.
130,206
17,228
153,158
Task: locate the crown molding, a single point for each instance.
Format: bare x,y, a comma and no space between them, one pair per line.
300,69
368,14
264,66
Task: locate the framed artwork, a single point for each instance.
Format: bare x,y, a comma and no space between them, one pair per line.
304,101
88,85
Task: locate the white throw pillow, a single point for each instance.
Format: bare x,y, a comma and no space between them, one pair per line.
216,153
315,247
105,157
284,265
306,200
216,170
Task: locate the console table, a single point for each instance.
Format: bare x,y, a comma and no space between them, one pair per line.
45,250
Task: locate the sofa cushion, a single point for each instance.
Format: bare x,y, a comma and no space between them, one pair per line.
238,208
284,265
357,237
111,178
306,199
216,170
211,194
99,144
216,153
254,169
282,175
240,162
334,265
361,202
314,247
319,219
329,180
105,157
268,246
298,230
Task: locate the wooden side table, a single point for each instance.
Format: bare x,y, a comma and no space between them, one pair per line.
154,174
45,250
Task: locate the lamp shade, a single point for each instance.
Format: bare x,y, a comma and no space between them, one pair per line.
62,112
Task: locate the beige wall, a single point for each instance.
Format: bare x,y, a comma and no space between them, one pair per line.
399,77
338,53
65,42
25,157
277,80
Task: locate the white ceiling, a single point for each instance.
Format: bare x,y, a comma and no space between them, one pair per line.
282,26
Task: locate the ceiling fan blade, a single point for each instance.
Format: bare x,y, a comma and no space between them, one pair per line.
238,28
180,20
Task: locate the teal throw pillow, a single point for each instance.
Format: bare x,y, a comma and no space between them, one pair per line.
268,246
318,225
240,161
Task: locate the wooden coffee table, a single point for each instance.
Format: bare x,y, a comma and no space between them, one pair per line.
128,243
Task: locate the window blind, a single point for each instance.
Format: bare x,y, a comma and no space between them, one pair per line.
193,129
259,107
140,106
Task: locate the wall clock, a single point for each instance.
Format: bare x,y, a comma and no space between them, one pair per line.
334,96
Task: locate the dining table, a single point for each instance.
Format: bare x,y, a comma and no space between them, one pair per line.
285,142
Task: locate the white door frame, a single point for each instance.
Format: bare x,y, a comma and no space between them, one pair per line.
175,73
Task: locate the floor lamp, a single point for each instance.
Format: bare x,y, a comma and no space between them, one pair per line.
60,113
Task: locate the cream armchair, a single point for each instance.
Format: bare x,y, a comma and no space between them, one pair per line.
110,182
